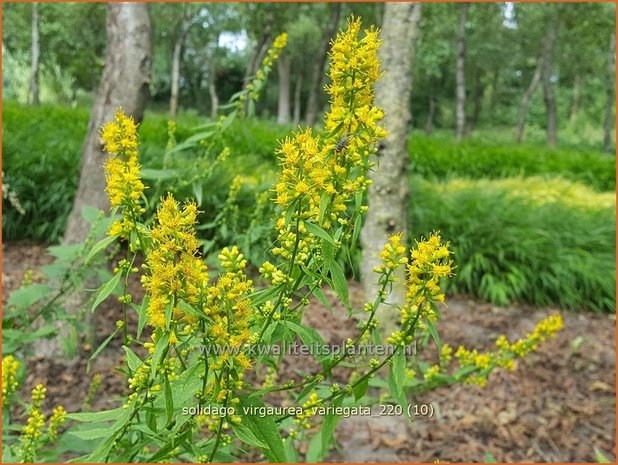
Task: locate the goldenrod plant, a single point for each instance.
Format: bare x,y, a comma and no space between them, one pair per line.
213,339
34,436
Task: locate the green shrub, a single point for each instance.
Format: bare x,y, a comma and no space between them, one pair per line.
41,164
439,157
41,161
510,246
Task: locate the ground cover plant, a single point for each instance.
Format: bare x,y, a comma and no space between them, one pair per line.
203,329
524,239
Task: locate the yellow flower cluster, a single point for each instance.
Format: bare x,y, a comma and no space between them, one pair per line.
229,310
55,421
430,263
33,429
254,87
9,379
354,70
544,330
393,255
175,272
507,352
321,174
309,411
122,172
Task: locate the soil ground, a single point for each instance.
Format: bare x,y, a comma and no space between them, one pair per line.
557,406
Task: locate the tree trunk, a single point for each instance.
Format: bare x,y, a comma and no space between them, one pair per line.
176,58
260,50
478,102
212,90
432,107
125,81
460,109
609,125
317,72
36,56
388,195
577,86
283,109
548,89
298,87
525,100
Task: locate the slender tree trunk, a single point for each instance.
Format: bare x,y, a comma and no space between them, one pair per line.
260,50
212,90
548,90
36,56
577,85
525,100
317,72
388,195
298,87
283,110
609,125
176,58
460,109
431,116
125,81
493,96
478,103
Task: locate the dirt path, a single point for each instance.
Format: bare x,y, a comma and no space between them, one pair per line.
557,405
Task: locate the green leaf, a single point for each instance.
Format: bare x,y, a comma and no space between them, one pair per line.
290,450
149,173
319,294
396,377
169,400
245,435
65,252
340,284
133,361
358,224
462,372
96,417
141,313
317,231
328,427
159,352
98,247
105,290
91,433
96,353
315,449
265,429
361,388
324,201
600,456
91,214
310,337
434,332
26,296
328,251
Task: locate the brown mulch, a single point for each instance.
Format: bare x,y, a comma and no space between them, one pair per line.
558,405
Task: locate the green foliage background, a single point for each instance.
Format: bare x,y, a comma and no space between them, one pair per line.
508,247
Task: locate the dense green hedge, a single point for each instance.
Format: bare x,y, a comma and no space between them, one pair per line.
510,246
439,157
41,147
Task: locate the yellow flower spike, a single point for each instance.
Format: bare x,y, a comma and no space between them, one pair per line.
122,171
56,420
9,378
174,269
